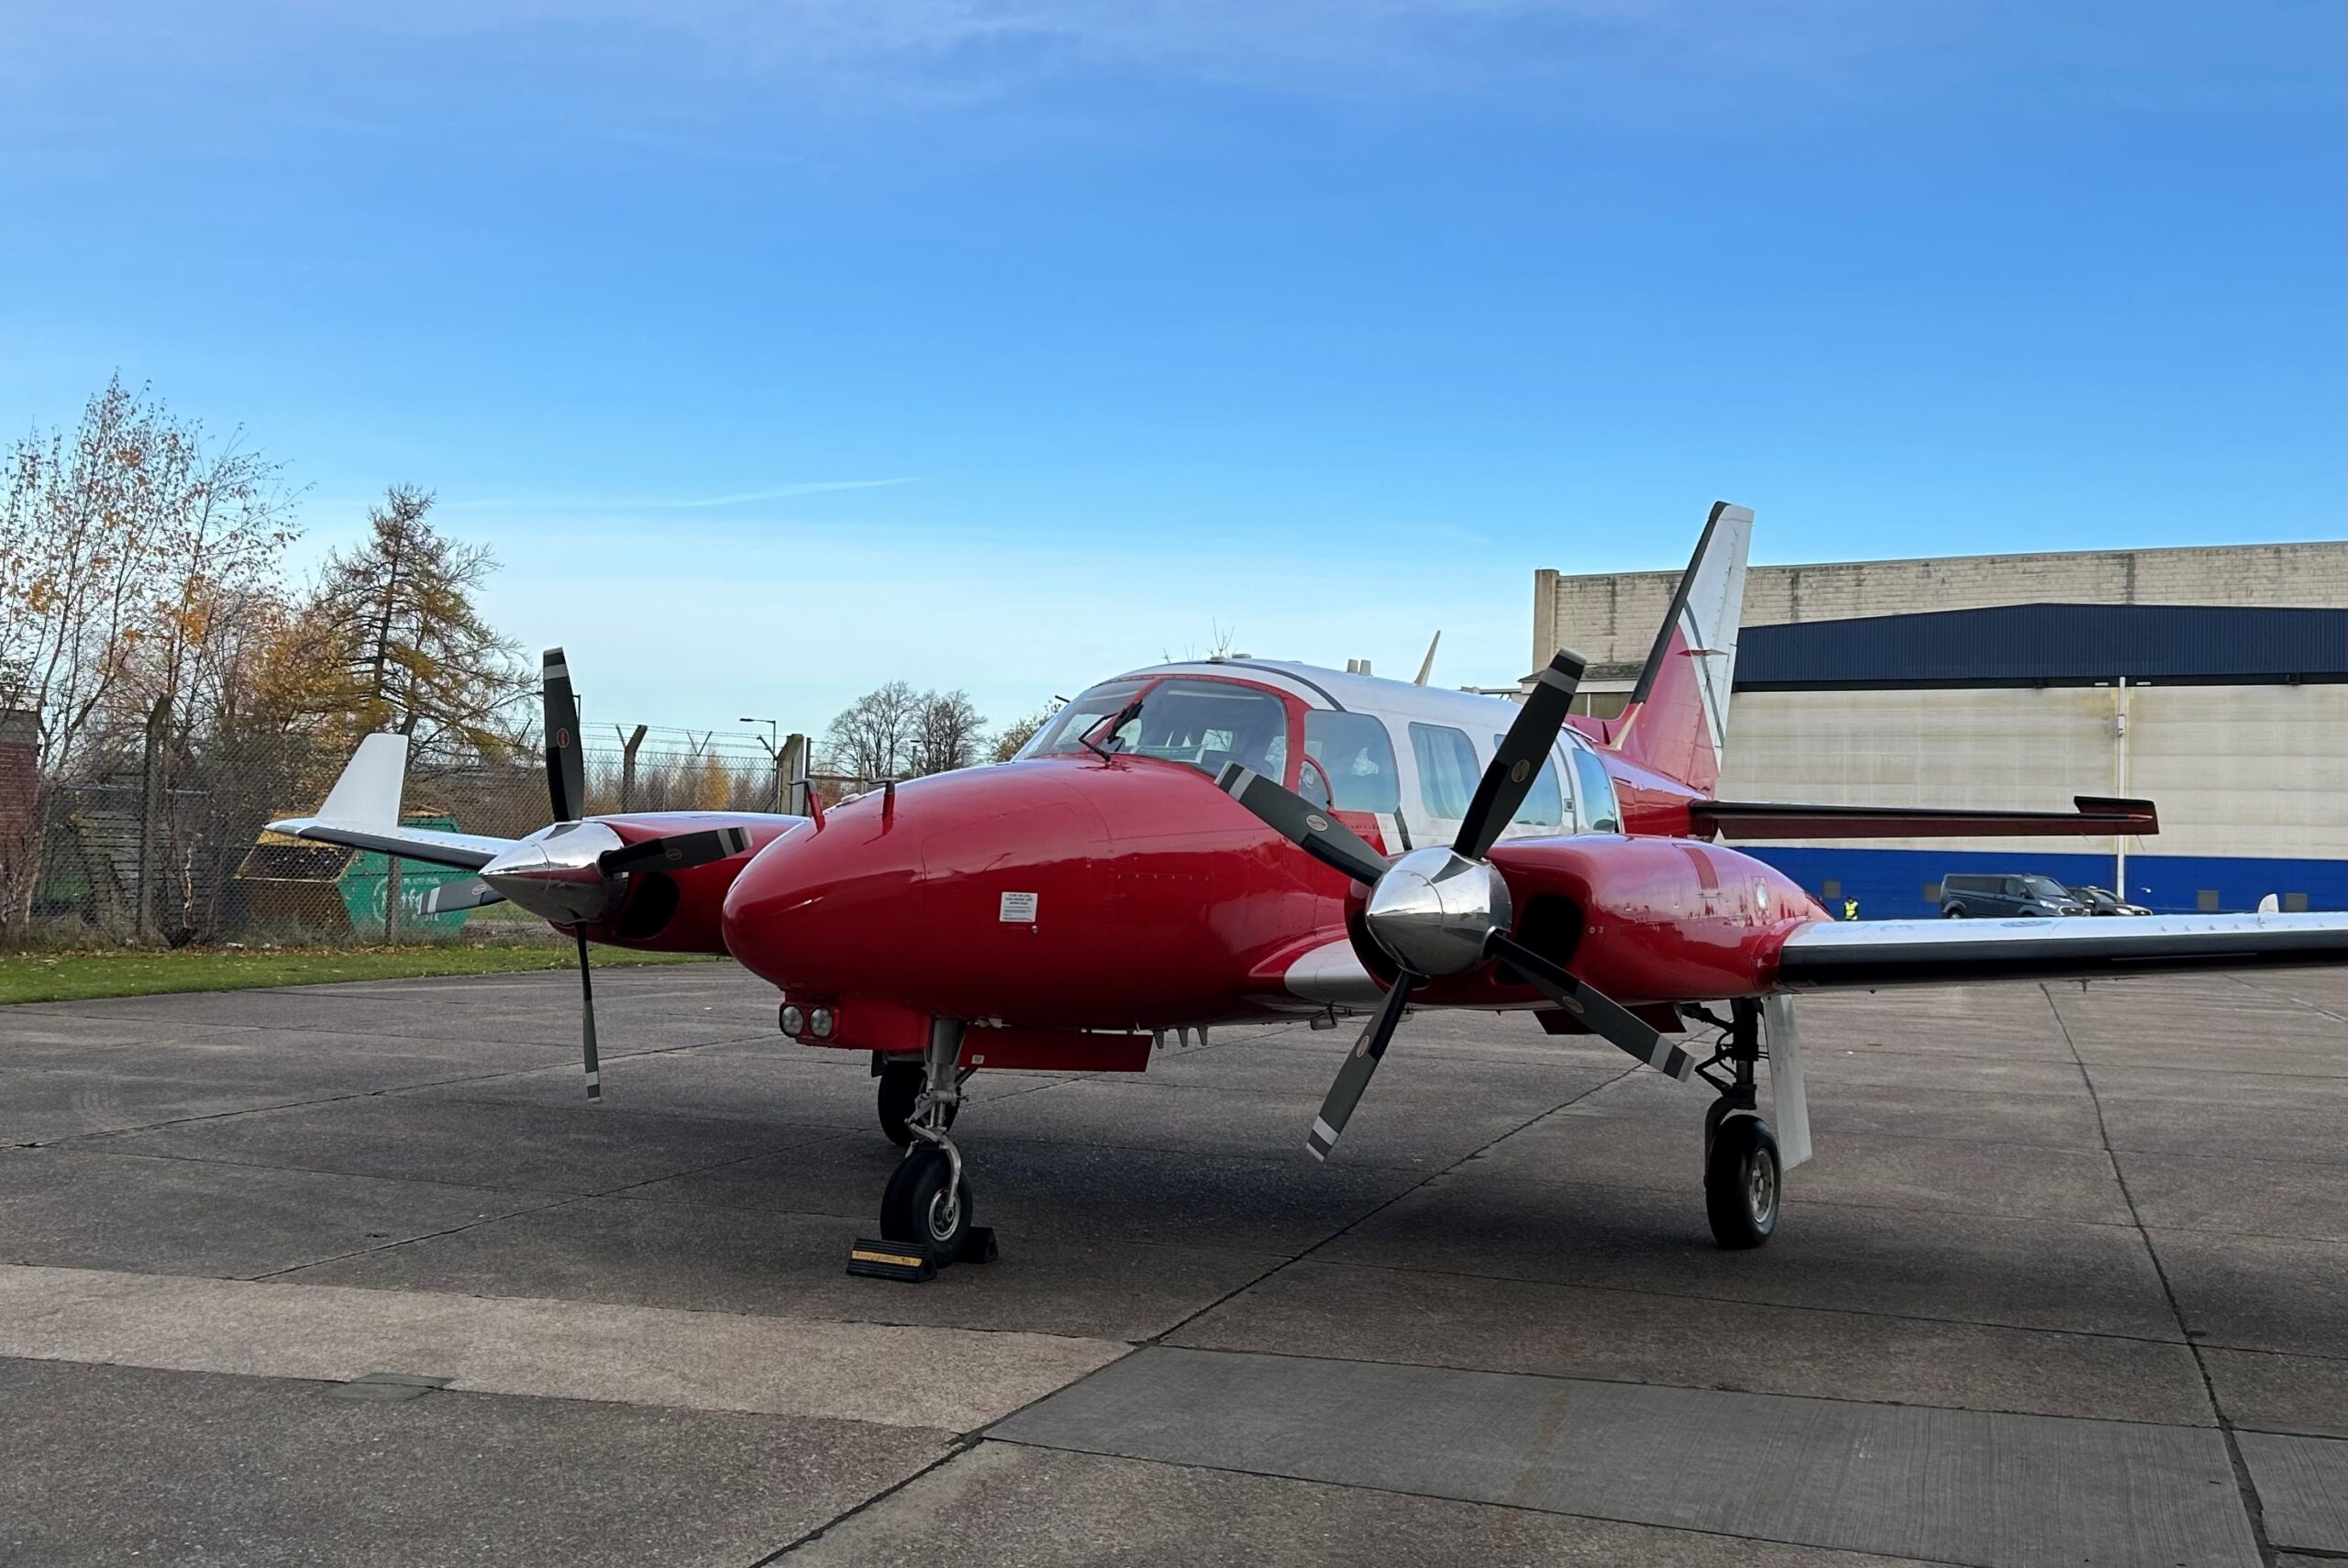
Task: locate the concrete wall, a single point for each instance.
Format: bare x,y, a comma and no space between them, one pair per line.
1612,618
2254,775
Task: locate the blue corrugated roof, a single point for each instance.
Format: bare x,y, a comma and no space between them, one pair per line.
2048,645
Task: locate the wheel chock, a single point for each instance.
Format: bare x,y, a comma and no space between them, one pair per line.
909,1262
915,1263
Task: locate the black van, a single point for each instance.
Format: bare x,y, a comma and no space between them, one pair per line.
1997,897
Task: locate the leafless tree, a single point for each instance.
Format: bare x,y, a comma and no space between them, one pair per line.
873,737
947,733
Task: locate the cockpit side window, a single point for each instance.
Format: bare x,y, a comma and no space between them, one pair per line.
1357,757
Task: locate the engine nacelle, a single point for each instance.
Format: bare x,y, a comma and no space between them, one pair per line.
1643,920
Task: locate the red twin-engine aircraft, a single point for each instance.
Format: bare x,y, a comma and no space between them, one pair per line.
1135,870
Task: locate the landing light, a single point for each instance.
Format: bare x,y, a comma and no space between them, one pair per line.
794,1021
820,1022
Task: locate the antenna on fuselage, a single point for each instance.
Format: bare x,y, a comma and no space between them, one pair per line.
1426,664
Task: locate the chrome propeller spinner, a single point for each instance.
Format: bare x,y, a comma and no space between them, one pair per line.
1438,912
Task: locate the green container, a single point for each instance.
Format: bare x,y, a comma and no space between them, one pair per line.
366,883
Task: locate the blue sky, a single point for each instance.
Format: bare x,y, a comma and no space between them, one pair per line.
782,349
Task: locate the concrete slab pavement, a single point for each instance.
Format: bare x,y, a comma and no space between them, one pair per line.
656,1286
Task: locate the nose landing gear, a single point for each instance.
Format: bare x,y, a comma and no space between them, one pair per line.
926,1211
899,1084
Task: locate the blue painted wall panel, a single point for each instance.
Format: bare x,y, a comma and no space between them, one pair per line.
1890,883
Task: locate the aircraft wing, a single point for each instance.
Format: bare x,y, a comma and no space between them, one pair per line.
2097,816
363,811
1832,954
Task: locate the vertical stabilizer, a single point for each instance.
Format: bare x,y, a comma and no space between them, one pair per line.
1676,720
369,789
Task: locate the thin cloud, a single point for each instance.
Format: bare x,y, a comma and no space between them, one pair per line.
662,504
811,487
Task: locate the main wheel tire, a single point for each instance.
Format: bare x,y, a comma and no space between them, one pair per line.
898,1089
1715,1114
1743,1183
1952,911
917,1206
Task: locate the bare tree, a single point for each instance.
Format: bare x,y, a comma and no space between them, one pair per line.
873,737
947,733
1019,731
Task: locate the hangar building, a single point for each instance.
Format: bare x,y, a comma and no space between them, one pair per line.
2211,680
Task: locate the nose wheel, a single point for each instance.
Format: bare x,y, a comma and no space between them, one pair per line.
926,1211
927,1203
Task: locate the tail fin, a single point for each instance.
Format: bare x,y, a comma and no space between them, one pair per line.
368,790
1677,721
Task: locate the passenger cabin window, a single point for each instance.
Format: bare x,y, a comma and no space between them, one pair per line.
1199,723
1543,805
1447,769
1356,762
1599,813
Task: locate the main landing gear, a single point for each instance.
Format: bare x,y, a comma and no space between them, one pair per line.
926,1211
1744,1174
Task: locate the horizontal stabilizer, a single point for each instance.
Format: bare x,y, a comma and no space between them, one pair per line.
2096,817
1940,951
467,851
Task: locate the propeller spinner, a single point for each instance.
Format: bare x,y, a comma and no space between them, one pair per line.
1438,912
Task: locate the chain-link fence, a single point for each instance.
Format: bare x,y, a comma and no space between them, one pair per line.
174,851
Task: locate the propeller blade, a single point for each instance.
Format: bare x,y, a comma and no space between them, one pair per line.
587,1020
676,852
460,893
566,769
1520,756
1607,1018
1353,1077
1308,827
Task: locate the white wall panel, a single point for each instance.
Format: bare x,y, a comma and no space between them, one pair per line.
2258,771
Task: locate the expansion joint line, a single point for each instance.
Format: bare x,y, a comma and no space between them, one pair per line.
2254,1509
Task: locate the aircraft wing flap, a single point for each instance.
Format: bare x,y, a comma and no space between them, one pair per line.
2094,816
1833,954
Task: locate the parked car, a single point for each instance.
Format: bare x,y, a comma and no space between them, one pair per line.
2104,901
2000,898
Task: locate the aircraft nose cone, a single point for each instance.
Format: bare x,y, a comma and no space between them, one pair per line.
947,898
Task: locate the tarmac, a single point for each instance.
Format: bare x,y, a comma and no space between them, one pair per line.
354,1274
